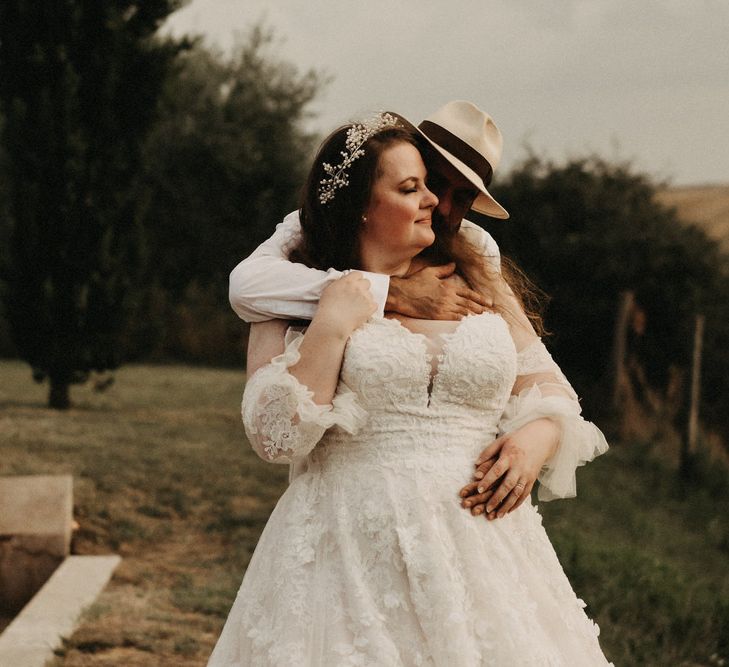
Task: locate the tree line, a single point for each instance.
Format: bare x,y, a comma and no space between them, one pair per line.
137,171
589,231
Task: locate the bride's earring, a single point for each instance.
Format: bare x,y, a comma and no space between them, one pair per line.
364,219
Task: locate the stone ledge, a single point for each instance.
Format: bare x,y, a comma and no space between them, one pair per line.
53,613
37,505
35,534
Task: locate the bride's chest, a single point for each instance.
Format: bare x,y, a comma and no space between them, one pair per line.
472,365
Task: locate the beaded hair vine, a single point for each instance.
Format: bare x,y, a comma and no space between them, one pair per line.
357,135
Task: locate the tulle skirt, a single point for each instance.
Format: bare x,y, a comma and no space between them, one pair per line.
383,567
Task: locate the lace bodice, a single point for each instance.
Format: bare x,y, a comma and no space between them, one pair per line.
394,374
396,406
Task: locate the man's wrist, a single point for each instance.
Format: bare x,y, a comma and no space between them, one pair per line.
394,299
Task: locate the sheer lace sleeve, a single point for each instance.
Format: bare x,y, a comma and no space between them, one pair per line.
541,390
282,422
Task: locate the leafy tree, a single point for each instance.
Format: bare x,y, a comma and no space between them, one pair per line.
587,230
7,349
79,84
222,166
226,160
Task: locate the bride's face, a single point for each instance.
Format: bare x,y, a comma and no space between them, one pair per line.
397,224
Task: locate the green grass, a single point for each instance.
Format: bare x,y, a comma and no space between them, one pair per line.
163,476
650,556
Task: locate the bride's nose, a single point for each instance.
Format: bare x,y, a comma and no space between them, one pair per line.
429,200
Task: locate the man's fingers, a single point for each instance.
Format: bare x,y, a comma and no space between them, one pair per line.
471,295
477,503
462,311
449,311
444,270
472,307
469,489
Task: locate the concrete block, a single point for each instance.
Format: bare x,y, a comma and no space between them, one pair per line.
36,515
53,613
37,505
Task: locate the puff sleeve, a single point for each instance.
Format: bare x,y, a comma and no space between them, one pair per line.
281,419
541,390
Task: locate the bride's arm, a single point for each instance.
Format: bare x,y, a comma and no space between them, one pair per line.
543,433
291,397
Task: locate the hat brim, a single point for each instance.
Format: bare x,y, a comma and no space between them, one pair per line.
484,202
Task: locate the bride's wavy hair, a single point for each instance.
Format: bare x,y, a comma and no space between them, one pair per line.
330,229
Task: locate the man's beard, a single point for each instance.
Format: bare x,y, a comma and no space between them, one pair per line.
441,227
445,235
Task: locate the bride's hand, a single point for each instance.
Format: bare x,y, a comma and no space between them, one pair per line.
345,305
507,469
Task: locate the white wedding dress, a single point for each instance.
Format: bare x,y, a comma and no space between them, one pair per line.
368,558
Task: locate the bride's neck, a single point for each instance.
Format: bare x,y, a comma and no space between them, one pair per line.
389,266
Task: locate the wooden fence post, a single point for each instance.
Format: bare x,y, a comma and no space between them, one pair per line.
620,346
693,421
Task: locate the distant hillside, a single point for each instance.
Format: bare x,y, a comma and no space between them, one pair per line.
704,205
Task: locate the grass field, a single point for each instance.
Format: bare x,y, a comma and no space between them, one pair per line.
164,477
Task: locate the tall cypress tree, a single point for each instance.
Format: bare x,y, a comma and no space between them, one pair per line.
79,83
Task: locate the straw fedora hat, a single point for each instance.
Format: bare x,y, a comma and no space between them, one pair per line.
469,139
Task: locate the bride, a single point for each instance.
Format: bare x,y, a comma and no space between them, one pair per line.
369,558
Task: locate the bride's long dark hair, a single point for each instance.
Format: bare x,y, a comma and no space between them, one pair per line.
330,230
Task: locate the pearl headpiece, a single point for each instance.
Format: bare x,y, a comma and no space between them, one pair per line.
357,135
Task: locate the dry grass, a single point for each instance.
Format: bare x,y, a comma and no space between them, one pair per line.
705,206
164,477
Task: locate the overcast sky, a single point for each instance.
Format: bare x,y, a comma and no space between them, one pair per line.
646,80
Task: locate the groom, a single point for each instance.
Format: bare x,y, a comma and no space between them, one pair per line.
466,149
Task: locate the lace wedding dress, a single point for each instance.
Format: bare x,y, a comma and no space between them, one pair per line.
369,558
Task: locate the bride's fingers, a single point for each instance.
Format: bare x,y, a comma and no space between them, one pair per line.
503,490
494,472
527,492
491,451
484,468
508,503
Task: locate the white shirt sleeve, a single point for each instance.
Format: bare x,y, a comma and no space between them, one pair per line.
484,241
266,285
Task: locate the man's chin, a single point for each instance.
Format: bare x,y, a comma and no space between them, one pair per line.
442,228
